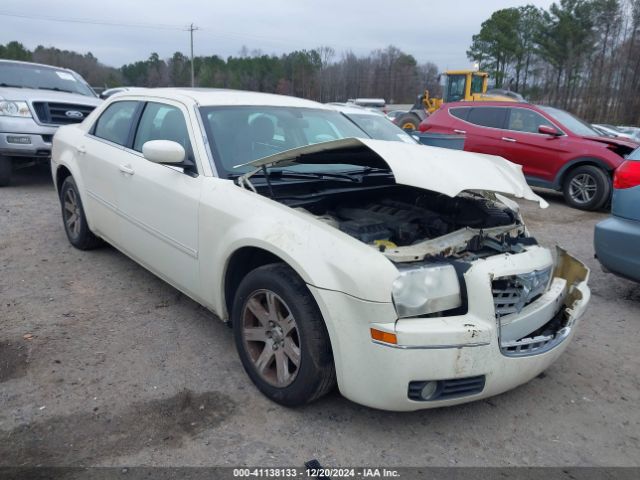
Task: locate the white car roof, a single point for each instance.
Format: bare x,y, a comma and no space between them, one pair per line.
221,97
349,109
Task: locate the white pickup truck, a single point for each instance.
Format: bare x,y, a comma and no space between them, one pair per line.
34,101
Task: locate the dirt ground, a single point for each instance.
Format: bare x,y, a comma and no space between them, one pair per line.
101,363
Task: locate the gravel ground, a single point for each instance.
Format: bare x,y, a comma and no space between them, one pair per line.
101,363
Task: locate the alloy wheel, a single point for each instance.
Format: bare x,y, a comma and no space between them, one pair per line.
583,188
72,214
271,338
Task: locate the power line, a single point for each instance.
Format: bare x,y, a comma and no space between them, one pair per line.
208,33
219,33
91,21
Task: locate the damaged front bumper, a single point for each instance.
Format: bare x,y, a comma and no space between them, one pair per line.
470,356
547,322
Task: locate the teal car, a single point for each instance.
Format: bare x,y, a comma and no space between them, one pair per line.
617,239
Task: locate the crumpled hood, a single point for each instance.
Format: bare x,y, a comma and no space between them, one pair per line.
617,141
437,169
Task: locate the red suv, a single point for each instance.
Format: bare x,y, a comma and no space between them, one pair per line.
556,149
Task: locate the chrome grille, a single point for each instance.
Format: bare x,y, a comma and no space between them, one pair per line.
511,294
61,113
526,346
540,341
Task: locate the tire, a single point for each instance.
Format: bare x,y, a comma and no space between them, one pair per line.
409,122
5,171
587,187
270,340
77,229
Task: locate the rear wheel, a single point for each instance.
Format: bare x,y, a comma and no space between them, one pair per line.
5,171
74,218
281,337
409,122
587,187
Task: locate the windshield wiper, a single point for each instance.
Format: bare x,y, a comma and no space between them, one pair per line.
55,89
375,170
8,85
319,175
355,176
294,174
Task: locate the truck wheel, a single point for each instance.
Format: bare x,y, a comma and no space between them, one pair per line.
409,122
5,171
587,187
74,218
281,337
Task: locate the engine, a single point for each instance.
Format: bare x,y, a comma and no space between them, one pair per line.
404,223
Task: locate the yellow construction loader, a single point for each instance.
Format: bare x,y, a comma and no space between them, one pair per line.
459,85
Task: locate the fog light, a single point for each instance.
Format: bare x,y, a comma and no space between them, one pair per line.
21,140
429,390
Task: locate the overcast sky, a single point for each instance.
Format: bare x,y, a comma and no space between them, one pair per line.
437,31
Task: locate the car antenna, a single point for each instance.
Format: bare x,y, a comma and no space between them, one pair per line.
266,176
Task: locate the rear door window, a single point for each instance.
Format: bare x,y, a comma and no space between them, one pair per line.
461,113
114,123
493,117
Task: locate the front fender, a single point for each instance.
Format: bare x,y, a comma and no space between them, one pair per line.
608,165
323,256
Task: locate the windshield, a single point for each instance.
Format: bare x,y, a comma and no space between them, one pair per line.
379,128
241,134
455,88
577,126
40,77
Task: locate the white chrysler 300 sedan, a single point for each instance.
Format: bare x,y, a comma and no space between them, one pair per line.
398,271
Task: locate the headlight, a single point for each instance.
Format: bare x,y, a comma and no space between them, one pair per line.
10,108
430,289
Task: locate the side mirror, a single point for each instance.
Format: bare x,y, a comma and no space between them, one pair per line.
547,130
163,151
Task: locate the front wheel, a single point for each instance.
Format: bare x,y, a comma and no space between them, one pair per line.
409,122
587,187
281,337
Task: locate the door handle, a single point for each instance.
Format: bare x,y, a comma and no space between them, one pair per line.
461,132
127,169
81,150
509,139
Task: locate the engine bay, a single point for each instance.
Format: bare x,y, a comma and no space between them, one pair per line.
403,223
409,224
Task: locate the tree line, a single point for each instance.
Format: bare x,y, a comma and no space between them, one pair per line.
580,55
319,74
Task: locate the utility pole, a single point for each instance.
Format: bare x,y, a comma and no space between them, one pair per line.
191,29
